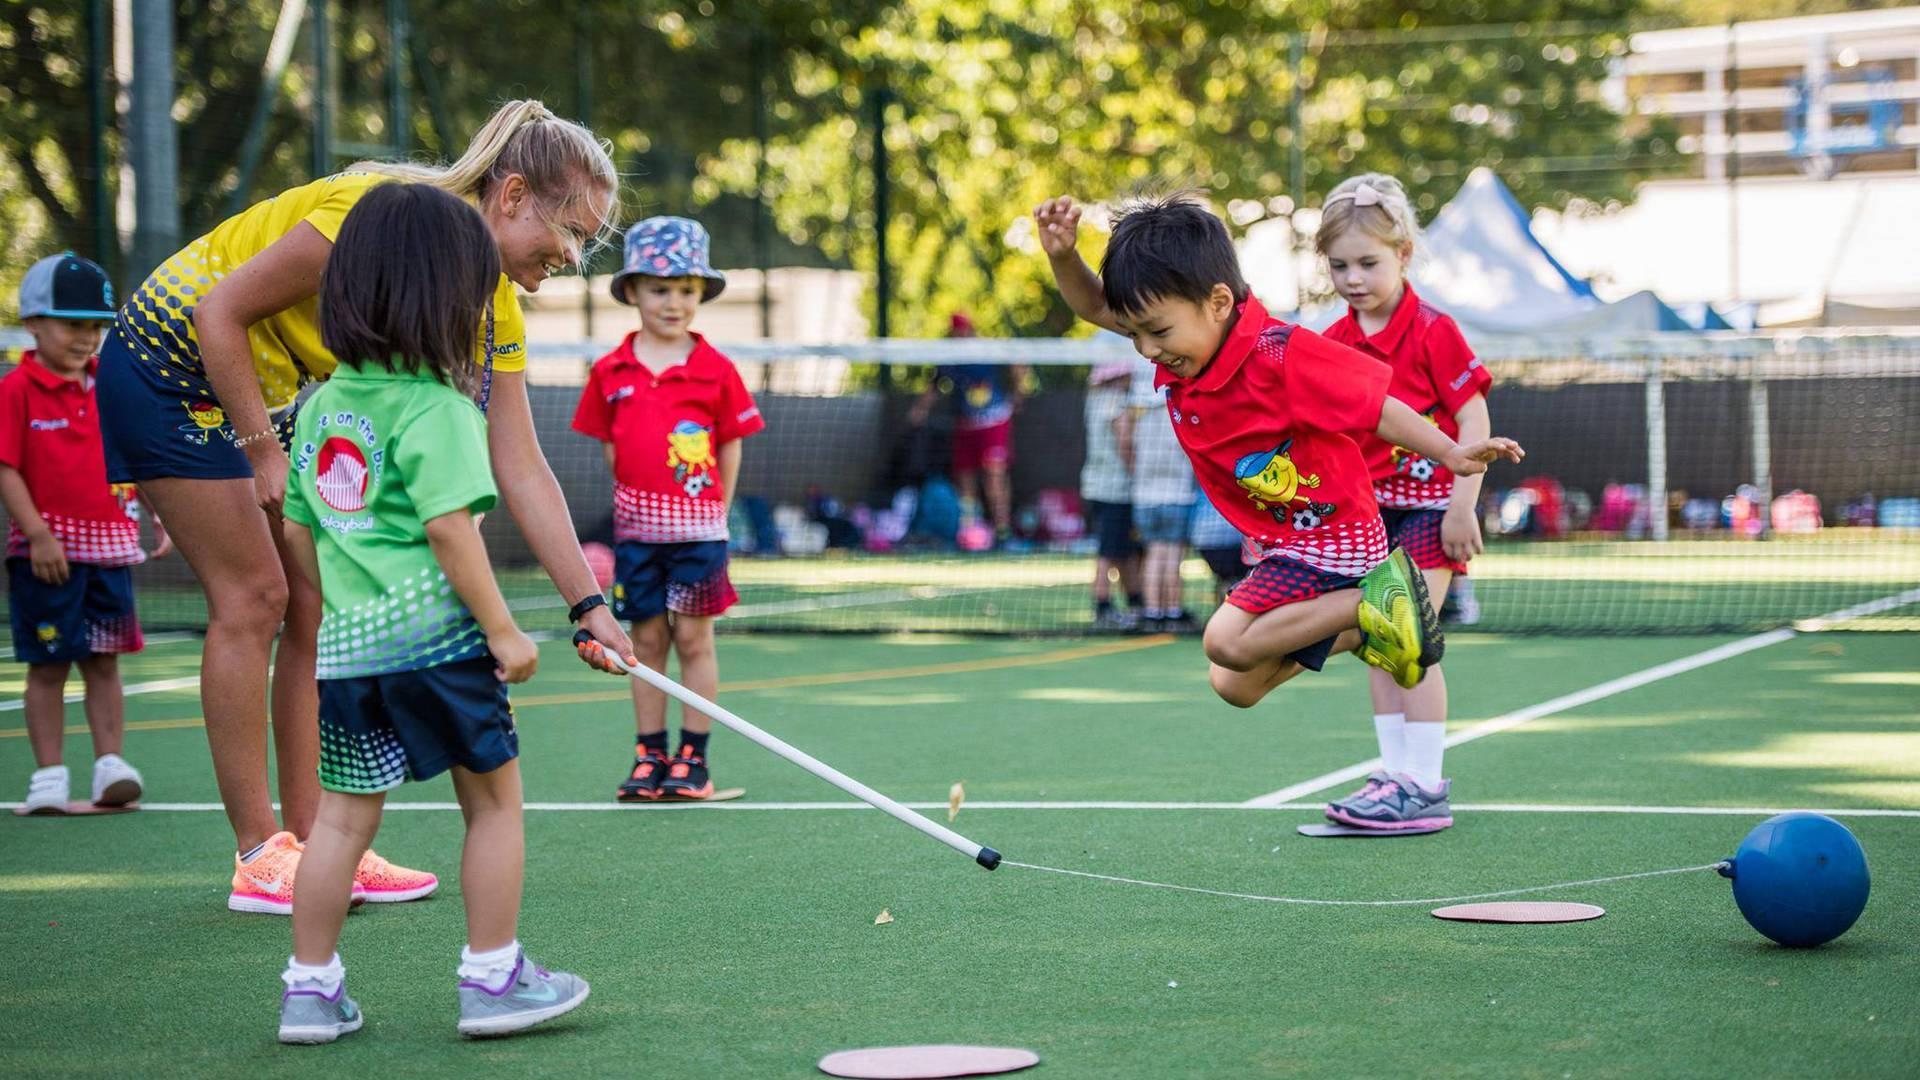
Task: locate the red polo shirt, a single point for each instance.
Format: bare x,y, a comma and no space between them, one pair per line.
667,430
1434,374
50,433
1267,425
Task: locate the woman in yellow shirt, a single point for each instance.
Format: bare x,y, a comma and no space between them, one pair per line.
197,385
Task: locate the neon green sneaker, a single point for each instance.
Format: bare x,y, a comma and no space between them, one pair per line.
1400,640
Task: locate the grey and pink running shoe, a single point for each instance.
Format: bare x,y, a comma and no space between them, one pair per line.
1373,782
1397,803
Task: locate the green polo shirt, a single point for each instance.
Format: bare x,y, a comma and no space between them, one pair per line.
376,456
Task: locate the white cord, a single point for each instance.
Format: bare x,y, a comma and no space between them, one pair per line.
1363,903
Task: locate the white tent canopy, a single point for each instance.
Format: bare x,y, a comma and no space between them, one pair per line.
1803,244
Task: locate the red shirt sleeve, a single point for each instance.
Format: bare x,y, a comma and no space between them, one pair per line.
13,420
1332,387
1457,374
737,416
593,417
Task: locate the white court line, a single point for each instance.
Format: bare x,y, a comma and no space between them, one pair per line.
1591,694
1497,808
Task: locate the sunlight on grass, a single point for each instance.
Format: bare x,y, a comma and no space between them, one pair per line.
47,883
1895,794
1093,695
1891,754
1873,678
880,699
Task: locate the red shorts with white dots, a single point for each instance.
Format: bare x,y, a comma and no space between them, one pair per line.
1419,532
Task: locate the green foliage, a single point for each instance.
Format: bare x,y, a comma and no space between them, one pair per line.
998,104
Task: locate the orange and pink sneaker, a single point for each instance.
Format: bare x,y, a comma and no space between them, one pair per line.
265,885
381,882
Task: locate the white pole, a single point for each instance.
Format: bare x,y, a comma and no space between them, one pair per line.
985,856
1656,452
1760,416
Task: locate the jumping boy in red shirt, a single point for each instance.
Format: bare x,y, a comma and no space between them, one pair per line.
1265,411
72,542
669,411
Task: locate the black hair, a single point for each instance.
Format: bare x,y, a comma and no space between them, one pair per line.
408,282
1168,247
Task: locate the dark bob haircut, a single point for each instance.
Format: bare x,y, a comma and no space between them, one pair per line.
1168,247
408,282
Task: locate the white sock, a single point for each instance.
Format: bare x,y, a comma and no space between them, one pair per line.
1390,729
325,978
1426,743
490,968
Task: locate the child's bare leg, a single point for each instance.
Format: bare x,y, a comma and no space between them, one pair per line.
699,666
106,702
343,829
651,639
494,860
1249,652
46,706
1103,569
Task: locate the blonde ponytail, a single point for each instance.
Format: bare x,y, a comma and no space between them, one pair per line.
561,161
1374,203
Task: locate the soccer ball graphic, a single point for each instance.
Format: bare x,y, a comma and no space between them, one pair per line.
1420,469
1305,518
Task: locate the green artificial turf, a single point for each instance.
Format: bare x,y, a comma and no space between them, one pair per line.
729,941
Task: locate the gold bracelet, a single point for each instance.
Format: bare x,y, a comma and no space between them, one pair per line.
241,443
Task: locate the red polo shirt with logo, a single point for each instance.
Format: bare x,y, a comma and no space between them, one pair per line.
1434,374
1268,425
667,430
50,434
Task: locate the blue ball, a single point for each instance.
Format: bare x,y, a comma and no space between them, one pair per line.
1800,879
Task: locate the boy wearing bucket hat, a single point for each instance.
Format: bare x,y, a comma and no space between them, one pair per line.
669,411
72,539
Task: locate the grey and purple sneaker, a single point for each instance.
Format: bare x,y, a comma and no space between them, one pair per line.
531,995
1397,803
1375,779
309,1015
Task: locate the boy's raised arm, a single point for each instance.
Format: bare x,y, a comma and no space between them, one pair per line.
1059,222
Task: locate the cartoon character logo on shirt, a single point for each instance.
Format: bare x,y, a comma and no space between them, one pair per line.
1274,485
48,634
204,418
690,454
340,475
1412,464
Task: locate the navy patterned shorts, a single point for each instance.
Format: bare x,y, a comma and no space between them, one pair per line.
1419,532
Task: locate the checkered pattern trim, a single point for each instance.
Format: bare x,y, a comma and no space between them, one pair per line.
115,634
1339,547
654,518
99,543
1280,581
710,597
1419,532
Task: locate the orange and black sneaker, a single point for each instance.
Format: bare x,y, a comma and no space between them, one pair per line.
687,777
643,781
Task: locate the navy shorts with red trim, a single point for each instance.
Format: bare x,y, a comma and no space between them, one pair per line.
689,578
92,614
1419,532
1280,581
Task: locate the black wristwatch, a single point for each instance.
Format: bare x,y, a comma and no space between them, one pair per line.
586,604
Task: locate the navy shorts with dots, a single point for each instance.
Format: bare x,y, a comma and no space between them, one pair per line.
1419,532
379,731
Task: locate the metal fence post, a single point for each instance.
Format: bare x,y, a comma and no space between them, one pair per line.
1656,451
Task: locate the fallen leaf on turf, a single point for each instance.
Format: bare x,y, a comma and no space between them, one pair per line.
883,918
955,797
